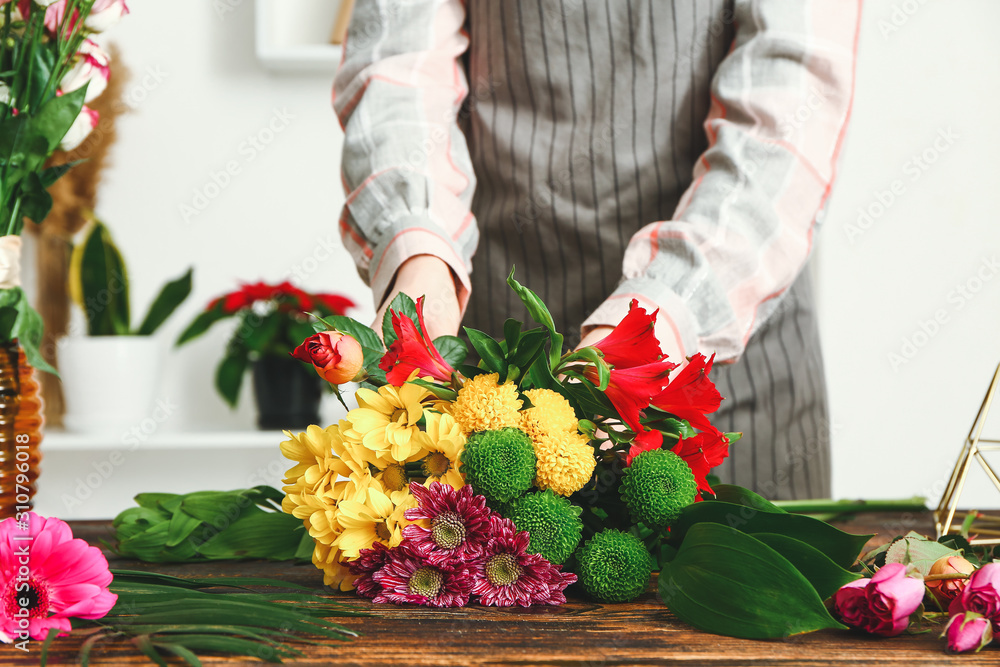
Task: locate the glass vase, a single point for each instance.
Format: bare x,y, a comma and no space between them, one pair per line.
20,430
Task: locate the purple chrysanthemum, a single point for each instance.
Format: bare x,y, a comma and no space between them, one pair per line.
506,574
367,564
410,578
457,523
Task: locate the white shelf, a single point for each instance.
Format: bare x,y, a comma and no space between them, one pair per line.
294,35
55,441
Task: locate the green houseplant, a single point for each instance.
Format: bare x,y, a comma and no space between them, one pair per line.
110,375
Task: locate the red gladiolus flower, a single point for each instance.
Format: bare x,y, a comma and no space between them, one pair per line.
630,389
413,350
644,442
632,342
691,395
703,452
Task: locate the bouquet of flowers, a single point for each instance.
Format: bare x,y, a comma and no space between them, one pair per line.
580,460
49,69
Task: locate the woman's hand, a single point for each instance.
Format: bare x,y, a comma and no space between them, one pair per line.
430,277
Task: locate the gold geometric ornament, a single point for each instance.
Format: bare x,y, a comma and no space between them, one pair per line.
985,527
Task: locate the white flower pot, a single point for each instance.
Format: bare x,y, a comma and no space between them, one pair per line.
109,383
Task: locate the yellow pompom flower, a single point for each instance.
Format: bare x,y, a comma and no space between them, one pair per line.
550,413
443,443
364,523
565,462
386,421
483,404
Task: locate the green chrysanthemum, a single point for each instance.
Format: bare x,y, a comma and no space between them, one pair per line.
614,566
552,521
499,464
657,486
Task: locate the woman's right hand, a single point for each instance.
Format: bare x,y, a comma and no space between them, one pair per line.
430,277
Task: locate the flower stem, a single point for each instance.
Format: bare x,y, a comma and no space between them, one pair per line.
824,505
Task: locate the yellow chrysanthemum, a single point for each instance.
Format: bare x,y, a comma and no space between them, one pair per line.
550,413
320,457
364,523
443,443
386,421
336,573
483,404
565,462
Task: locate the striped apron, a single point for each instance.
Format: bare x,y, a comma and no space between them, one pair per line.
584,121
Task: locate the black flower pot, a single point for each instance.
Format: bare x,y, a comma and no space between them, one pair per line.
287,393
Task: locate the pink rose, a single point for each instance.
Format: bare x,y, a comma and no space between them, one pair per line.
968,631
946,590
105,14
981,595
92,66
881,605
80,129
337,357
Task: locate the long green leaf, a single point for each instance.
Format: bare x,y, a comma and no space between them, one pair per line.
825,576
105,284
729,583
166,302
540,313
489,351
843,548
229,375
202,323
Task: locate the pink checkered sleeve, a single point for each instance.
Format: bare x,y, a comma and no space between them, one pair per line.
405,163
743,230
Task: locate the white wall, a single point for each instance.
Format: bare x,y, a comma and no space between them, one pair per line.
928,79
199,94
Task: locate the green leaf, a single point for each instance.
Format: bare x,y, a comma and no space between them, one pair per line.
726,582
530,346
403,305
489,351
452,349
21,322
511,334
258,333
202,322
229,375
166,302
52,174
825,576
56,116
36,202
843,548
737,495
104,283
540,313
917,551
348,325
180,528
440,391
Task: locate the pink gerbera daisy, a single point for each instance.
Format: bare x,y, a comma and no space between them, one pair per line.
457,523
47,577
506,574
366,565
408,578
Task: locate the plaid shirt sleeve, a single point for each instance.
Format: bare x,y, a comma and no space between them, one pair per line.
743,230
405,164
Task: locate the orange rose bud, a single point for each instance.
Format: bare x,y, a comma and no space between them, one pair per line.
946,590
337,357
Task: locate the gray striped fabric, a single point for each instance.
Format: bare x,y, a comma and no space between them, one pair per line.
584,120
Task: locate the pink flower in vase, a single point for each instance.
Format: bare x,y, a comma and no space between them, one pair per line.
47,577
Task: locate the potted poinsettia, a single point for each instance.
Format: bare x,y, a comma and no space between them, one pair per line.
271,320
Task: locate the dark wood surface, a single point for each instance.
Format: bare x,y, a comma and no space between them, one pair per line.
577,633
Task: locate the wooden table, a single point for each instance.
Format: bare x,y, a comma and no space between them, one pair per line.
577,633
